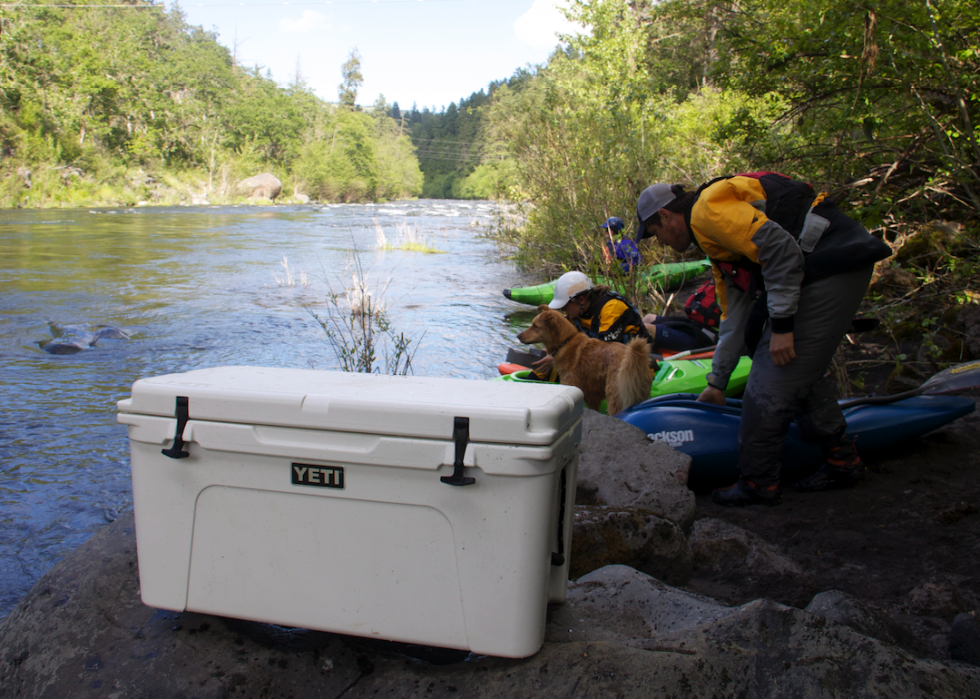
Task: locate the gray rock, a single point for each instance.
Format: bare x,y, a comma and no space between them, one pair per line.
841,608
939,599
964,639
300,199
631,536
720,546
71,339
264,186
82,631
621,605
620,467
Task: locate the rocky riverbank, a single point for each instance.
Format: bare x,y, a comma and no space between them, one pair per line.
624,631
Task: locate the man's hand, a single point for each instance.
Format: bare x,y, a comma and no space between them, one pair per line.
712,395
781,348
544,365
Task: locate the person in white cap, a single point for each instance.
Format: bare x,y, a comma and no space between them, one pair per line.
598,311
790,271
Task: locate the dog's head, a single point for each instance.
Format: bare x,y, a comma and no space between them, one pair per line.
549,327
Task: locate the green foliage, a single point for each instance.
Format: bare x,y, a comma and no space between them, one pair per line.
351,72
881,94
106,91
877,103
453,144
587,135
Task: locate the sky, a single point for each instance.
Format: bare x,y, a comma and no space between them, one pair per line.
423,52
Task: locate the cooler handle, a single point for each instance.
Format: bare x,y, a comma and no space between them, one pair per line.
183,415
461,435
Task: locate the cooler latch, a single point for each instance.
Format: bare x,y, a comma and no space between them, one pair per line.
461,436
182,412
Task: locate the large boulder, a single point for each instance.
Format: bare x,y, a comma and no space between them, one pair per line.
620,467
264,186
82,631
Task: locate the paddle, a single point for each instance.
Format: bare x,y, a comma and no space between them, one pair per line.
955,378
687,353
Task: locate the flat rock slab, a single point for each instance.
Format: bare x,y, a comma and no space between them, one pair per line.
82,631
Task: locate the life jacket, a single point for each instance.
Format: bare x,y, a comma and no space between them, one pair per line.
625,251
702,307
617,331
788,202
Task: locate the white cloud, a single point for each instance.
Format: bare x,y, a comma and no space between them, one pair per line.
309,21
537,27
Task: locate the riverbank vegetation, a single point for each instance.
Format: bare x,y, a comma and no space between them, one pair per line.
125,105
877,104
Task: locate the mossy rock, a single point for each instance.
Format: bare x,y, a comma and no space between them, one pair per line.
934,241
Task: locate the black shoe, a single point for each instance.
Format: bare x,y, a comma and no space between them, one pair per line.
829,477
746,493
842,469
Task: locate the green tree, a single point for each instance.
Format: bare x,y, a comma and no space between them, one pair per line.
352,79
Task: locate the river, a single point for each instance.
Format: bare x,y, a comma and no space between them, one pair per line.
196,288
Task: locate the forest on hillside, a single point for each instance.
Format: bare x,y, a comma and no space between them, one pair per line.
876,102
130,104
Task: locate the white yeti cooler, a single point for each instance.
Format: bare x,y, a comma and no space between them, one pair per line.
423,510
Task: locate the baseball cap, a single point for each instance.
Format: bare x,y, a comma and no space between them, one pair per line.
615,224
652,199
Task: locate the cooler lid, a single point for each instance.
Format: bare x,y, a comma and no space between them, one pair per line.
413,406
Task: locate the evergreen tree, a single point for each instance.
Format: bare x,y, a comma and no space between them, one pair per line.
352,79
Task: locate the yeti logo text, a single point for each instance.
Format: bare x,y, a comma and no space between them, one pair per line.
674,438
320,476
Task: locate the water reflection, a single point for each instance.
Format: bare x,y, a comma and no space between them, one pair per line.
196,288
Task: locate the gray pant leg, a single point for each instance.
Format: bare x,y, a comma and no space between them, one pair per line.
775,395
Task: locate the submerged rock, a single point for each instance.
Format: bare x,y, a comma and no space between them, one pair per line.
71,339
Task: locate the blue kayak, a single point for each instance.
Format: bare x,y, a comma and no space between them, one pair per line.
709,433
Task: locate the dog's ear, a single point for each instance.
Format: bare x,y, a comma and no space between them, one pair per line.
543,307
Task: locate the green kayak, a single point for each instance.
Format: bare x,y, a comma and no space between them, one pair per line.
666,276
673,376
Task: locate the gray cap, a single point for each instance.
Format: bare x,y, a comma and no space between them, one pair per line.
652,199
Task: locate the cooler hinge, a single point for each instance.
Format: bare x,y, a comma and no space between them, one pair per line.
183,415
461,436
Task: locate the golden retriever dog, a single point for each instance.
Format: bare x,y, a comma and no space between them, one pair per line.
611,370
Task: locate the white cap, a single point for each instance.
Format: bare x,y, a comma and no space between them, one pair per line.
568,286
652,199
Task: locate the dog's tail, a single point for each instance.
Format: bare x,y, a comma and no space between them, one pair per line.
633,375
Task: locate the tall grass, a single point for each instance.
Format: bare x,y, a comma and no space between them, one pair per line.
359,330
289,279
409,239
